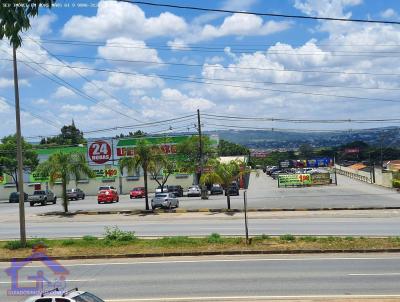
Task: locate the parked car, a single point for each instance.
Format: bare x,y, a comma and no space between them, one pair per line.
137,193
107,194
177,190
42,197
75,194
194,191
14,197
216,189
165,189
164,200
69,296
233,189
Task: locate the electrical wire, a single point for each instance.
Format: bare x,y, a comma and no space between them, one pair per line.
258,13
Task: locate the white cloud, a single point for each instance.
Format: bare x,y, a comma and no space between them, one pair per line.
4,107
74,108
389,13
5,83
63,92
119,19
41,102
130,50
41,25
326,8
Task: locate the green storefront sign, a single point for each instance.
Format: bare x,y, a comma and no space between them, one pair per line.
37,177
107,173
294,180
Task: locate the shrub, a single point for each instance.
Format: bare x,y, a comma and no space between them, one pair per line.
287,237
214,238
396,183
89,238
309,238
16,244
68,242
116,234
349,238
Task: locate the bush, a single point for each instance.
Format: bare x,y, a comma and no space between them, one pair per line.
287,237
89,238
214,238
309,238
68,242
16,244
116,234
349,238
396,183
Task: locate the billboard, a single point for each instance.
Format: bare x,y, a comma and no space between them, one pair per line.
294,179
99,152
321,179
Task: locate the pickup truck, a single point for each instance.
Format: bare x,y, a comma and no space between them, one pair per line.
42,197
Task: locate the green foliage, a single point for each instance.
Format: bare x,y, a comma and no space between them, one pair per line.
16,244
308,238
349,238
70,135
89,238
15,17
226,148
287,237
396,183
8,157
215,238
64,167
68,242
116,234
306,151
136,134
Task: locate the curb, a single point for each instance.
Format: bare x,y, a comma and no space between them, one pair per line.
210,253
208,210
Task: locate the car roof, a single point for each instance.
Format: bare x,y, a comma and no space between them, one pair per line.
69,295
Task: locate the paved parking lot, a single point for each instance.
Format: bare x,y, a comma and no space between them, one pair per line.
263,192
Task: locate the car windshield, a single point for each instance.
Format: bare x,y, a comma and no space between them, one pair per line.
87,297
69,190
137,189
39,193
161,195
104,188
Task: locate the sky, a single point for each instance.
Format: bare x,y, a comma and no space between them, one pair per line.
107,64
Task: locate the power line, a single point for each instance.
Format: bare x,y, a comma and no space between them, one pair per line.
85,78
228,67
216,79
257,13
335,52
271,119
199,80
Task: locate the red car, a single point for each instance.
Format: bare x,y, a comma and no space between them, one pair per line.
107,194
137,193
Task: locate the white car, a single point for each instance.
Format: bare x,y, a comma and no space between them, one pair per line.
69,296
194,191
164,200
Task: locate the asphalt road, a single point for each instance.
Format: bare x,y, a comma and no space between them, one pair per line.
94,225
235,278
262,193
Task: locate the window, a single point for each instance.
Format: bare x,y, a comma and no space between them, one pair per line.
44,300
87,297
62,300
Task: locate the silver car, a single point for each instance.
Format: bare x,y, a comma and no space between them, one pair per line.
164,200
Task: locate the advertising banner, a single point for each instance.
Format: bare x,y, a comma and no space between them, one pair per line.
321,179
107,173
37,177
294,179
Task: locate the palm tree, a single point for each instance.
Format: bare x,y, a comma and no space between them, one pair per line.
65,166
144,157
224,174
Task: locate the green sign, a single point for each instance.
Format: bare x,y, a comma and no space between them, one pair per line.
107,173
37,177
294,179
321,179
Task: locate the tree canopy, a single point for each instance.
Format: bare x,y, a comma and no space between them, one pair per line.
70,135
226,148
8,157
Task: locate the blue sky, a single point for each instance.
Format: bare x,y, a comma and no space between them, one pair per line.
168,63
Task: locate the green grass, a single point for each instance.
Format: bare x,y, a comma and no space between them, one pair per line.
287,237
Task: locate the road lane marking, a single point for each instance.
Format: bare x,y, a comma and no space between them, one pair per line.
249,298
222,260
376,274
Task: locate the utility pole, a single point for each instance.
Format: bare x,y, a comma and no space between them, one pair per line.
20,173
201,157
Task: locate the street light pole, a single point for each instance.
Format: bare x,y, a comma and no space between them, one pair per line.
20,173
203,190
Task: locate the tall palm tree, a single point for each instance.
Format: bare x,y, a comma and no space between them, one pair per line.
64,167
144,158
224,174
